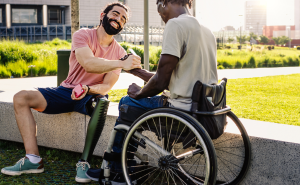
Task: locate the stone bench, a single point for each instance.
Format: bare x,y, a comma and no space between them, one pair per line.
275,147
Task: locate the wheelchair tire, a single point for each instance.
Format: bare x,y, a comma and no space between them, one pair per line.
178,134
233,151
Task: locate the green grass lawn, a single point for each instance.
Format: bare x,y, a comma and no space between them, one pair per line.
272,99
60,166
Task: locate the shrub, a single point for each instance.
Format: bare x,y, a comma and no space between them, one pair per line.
238,65
56,42
228,47
14,51
273,47
269,47
251,62
298,47
139,51
220,67
125,45
17,69
4,73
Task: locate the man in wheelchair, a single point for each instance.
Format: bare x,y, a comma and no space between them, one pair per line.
188,55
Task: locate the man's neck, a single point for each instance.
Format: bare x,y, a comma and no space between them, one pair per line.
103,38
178,10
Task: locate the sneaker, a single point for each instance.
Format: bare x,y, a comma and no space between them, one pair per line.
24,166
94,174
82,168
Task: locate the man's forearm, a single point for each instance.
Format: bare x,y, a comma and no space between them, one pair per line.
141,73
152,88
102,89
100,65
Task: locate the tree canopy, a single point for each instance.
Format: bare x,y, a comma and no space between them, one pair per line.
264,39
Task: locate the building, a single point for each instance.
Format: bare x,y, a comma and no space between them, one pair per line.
58,12
225,34
228,28
297,14
255,16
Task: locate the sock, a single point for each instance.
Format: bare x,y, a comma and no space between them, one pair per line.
33,158
81,160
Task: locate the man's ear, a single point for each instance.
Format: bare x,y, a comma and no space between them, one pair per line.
102,15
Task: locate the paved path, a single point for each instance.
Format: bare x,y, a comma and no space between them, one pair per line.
8,87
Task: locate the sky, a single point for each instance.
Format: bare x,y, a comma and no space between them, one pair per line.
216,14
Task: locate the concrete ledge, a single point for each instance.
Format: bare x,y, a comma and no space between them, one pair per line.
275,147
62,131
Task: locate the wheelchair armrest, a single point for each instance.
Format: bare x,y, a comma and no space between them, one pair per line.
214,113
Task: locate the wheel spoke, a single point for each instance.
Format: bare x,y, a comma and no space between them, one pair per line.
146,175
161,137
170,134
227,168
145,152
171,177
231,153
178,137
177,177
230,162
226,140
156,178
156,129
149,145
142,170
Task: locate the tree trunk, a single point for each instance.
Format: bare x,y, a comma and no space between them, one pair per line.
74,16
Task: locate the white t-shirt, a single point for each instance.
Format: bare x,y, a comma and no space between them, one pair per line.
195,46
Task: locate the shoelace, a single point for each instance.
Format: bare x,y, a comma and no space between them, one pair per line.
82,165
21,161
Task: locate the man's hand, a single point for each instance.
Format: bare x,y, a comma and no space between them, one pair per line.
132,62
133,90
85,88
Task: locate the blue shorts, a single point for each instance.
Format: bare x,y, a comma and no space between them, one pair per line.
59,101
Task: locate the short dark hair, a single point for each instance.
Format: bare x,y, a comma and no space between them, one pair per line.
181,2
110,6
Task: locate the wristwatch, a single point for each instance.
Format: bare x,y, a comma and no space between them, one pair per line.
88,89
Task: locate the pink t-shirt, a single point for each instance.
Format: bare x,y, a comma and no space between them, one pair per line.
88,38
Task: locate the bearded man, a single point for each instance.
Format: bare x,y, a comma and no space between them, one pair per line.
95,63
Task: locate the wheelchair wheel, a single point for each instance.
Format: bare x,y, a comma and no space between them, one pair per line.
177,150
233,152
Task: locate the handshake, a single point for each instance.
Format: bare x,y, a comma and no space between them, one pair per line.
131,61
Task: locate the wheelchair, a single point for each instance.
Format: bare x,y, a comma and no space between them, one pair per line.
173,146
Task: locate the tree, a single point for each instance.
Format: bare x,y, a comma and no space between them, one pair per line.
251,35
264,39
74,16
229,40
284,40
276,40
244,38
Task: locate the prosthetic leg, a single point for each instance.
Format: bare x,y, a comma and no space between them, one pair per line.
95,126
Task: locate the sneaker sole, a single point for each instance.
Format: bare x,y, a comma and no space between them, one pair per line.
13,173
82,180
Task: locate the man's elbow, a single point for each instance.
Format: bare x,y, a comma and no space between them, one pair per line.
87,66
162,86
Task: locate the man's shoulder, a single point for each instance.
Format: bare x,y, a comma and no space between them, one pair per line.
84,31
118,45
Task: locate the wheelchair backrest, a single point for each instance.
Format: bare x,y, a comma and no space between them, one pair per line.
209,98
203,92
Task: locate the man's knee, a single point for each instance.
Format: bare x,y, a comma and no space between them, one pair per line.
21,98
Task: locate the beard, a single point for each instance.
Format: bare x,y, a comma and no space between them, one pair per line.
109,29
